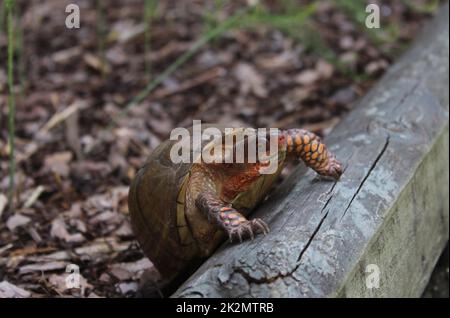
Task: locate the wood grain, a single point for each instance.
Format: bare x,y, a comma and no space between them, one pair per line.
390,208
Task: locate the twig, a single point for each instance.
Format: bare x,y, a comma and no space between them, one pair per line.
190,83
34,196
61,116
3,202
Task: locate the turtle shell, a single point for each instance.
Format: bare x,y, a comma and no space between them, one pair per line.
157,209
153,206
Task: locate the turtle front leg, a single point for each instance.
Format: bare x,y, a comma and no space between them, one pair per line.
313,152
229,219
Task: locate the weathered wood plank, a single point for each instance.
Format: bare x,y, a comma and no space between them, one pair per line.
390,207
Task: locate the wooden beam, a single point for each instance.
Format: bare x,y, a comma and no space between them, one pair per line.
390,208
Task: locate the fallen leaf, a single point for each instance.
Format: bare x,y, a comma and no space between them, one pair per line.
90,170
99,249
346,42
3,249
376,66
125,31
78,224
33,196
307,77
295,97
72,133
349,58
64,56
106,217
250,79
17,220
121,273
125,288
8,290
62,116
124,230
324,69
51,266
117,55
58,283
59,230
3,202
59,163
34,234
131,270
96,63
282,61
105,278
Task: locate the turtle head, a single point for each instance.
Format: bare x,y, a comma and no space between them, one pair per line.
239,149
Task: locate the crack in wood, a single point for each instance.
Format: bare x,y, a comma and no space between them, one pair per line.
311,239
372,167
267,280
409,93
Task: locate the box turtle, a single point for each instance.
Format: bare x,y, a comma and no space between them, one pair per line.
180,212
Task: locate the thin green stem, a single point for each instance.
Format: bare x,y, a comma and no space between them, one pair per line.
290,20
149,12
211,16
2,16
19,47
11,102
101,34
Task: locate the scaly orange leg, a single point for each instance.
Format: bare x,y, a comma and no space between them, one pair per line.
230,220
313,152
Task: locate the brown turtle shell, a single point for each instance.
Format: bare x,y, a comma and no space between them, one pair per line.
152,203
157,209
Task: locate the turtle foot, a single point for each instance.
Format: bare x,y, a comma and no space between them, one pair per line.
248,229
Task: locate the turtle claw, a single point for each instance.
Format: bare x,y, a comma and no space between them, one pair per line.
248,228
262,226
250,231
240,236
333,169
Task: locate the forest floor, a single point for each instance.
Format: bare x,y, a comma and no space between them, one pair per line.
301,65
